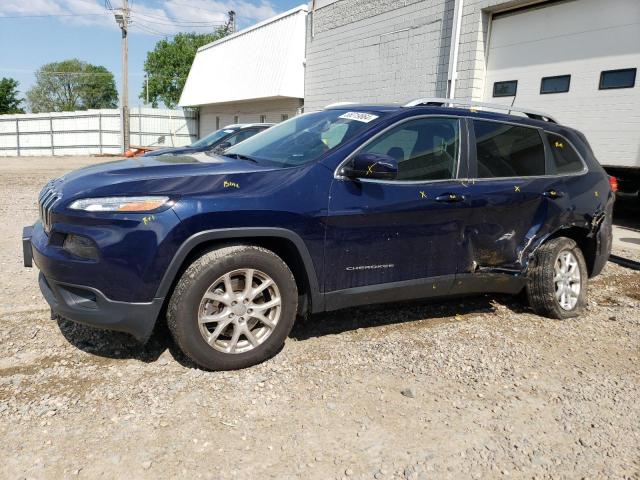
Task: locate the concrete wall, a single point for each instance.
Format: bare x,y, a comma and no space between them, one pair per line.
380,50
247,112
394,50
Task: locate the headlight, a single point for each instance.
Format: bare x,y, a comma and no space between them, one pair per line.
119,204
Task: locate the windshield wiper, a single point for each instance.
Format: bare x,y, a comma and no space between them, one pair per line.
239,156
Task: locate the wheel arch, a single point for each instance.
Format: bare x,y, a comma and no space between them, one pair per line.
584,238
286,244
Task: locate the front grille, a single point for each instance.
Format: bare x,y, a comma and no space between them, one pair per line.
47,199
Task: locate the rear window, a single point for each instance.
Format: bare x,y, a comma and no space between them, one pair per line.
565,158
505,150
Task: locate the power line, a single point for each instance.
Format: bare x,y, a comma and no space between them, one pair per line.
53,15
149,30
158,17
181,23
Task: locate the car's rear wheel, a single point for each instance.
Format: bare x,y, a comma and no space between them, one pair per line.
233,307
558,279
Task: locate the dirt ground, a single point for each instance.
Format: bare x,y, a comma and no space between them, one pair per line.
471,388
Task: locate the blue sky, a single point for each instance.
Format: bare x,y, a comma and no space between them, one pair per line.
35,32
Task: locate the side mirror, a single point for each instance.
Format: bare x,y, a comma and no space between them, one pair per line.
371,165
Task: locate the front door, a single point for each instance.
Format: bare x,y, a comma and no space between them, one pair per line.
405,230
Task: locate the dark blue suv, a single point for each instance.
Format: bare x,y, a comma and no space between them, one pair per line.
352,205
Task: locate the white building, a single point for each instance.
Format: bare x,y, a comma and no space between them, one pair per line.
575,59
254,75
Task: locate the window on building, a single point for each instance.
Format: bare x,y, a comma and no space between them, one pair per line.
505,89
217,123
284,117
505,150
557,84
425,148
624,78
236,119
565,158
263,119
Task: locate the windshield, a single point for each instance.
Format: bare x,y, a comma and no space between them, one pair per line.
304,138
212,138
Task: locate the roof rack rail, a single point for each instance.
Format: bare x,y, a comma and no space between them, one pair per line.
340,104
452,102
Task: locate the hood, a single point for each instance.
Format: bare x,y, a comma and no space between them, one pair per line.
162,175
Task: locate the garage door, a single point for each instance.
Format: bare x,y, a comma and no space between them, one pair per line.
577,60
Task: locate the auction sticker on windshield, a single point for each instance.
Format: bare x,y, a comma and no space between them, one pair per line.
359,116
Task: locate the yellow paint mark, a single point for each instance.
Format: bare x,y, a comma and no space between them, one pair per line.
473,110
422,194
147,220
370,169
516,188
597,194
228,184
559,145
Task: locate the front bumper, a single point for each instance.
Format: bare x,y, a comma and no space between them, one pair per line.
89,306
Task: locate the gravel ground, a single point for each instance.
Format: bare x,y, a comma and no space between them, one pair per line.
478,387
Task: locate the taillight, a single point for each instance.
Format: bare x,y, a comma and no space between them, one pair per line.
613,183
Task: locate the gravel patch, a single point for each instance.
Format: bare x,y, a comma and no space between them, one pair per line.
478,387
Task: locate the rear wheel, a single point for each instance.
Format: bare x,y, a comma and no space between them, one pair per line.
558,279
233,307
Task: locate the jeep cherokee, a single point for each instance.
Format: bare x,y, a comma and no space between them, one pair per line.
351,205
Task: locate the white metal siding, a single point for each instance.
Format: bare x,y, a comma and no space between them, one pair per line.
92,131
247,112
263,61
580,38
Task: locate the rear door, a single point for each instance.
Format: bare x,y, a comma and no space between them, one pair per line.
513,197
381,232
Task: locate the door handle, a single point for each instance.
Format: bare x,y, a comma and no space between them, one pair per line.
553,194
450,198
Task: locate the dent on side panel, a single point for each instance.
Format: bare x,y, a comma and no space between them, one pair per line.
508,221
502,223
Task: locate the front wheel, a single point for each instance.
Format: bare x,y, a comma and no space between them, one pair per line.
558,279
233,307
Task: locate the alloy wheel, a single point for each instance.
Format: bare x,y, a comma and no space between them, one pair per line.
239,311
567,280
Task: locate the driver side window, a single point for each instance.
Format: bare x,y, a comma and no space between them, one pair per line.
240,136
425,148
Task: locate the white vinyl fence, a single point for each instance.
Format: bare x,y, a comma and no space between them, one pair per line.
93,131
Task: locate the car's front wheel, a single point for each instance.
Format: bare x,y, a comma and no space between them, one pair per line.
233,307
558,279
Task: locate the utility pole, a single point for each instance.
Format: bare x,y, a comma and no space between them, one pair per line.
122,18
231,25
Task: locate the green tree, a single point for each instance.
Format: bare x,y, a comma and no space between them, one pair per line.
9,101
72,85
168,64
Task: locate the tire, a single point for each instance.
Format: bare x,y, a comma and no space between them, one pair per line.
205,328
543,293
